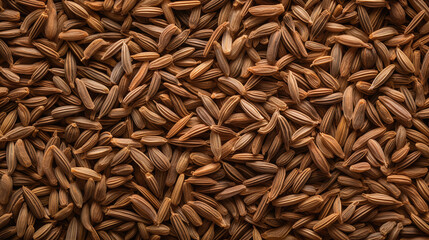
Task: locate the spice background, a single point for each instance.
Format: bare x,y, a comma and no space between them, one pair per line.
214,119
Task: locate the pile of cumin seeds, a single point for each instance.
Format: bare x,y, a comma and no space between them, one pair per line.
214,119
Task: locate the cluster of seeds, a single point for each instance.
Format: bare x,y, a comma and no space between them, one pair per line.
214,119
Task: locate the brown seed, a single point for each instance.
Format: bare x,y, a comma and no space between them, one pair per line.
396,109
22,154
200,69
73,35
318,158
84,94
126,59
33,203
381,199
161,62
266,10
85,173
214,37
206,211
326,222
404,61
351,41
382,77
6,185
